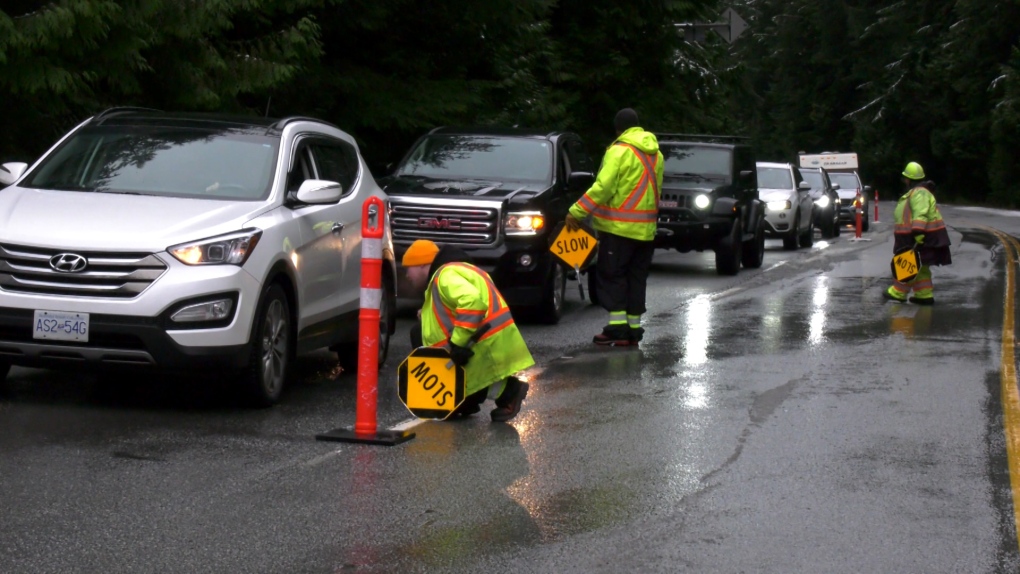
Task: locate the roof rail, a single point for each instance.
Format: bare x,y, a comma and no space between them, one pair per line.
282,122
123,109
700,137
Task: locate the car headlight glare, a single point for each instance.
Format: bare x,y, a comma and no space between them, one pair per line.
823,201
524,222
232,249
778,205
702,201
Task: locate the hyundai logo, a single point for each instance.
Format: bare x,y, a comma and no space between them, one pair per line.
68,262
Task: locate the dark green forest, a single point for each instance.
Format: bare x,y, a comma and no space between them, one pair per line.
933,81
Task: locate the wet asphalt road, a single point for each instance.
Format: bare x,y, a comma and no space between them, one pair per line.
784,420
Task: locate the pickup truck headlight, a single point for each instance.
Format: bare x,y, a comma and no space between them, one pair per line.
702,202
822,201
524,222
778,205
232,249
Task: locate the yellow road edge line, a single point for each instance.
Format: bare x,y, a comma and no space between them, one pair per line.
1008,381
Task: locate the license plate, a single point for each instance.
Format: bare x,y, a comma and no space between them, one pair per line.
61,326
668,204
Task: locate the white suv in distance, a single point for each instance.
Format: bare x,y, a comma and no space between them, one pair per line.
204,244
789,207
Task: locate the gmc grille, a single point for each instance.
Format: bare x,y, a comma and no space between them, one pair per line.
107,274
456,225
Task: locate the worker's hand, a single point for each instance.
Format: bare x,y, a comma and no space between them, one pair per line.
919,239
460,355
572,223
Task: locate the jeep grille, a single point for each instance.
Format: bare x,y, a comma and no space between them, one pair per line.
458,225
106,274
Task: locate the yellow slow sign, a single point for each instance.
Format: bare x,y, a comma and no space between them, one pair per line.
906,265
427,387
574,248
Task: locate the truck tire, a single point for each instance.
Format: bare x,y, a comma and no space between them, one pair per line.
728,252
753,254
550,310
4,369
593,286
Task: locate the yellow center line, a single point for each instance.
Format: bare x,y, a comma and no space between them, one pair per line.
1008,381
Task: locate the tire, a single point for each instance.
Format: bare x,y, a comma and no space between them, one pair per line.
347,353
828,228
790,241
837,227
550,310
753,254
272,347
4,369
807,239
593,286
728,252
865,222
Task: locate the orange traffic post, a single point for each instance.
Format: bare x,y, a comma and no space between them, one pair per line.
876,206
365,428
857,210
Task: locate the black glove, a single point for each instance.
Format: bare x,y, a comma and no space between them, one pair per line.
460,355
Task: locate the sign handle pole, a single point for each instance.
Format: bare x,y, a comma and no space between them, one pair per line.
369,315
580,284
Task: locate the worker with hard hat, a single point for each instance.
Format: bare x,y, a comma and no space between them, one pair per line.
919,224
459,299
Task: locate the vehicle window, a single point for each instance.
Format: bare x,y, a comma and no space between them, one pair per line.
774,178
301,171
846,181
336,161
579,159
162,161
696,160
812,177
480,157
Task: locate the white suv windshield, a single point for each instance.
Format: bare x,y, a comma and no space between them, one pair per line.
846,181
479,157
774,178
164,161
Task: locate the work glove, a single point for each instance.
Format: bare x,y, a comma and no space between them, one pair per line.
460,355
572,223
919,239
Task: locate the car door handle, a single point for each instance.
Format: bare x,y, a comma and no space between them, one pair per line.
338,228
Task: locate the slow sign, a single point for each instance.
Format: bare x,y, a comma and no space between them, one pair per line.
574,249
905,265
427,387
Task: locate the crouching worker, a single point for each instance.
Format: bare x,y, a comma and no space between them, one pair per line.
459,299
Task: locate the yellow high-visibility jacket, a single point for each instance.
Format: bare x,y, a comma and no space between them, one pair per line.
917,216
459,300
624,200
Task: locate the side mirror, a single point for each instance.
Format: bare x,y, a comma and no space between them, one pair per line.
835,187
804,186
746,174
580,180
319,191
11,172
867,189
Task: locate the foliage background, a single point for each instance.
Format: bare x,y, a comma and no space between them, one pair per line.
934,81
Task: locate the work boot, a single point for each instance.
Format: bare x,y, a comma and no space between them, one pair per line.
892,297
508,404
922,300
636,334
613,336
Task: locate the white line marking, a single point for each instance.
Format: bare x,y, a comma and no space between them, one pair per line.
780,264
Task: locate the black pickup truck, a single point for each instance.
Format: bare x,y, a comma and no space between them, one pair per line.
709,200
497,194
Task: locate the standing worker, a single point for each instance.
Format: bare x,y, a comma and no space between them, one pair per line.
459,299
918,222
624,205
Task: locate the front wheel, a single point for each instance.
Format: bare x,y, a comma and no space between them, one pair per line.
754,249
551,309
790,241
271,349
807,239
4,369
593,286
728,252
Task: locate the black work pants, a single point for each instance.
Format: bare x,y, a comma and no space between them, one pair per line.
622,272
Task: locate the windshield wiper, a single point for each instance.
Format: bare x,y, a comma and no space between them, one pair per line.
689,174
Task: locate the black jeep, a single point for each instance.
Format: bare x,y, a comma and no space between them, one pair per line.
709,200
497,194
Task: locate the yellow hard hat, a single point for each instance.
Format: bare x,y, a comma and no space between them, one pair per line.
913,171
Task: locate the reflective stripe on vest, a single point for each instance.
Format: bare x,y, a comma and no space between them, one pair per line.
627,212
497,315
909,226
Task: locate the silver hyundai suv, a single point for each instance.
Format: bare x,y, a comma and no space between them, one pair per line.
205,244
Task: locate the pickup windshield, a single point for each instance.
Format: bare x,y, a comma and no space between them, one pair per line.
688,161
486,158
163,161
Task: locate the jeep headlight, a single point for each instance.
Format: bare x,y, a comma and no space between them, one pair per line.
524,222
823,201
778,205
702,202
232,249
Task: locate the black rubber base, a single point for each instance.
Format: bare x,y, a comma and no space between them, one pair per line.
385,438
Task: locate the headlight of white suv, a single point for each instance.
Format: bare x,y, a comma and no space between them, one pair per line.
232,249
524,222
778,205
823,201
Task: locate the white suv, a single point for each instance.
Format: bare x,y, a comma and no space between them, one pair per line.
789,207
197,243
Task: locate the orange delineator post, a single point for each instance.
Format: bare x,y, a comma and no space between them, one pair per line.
876,207
369,319
857,205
